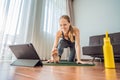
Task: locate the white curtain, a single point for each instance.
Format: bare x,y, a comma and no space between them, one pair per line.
45,34
16,24
25,21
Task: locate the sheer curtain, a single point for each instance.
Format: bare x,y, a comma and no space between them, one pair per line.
70,10
51,12
35,21
16,24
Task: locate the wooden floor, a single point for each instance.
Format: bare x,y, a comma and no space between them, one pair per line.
97,72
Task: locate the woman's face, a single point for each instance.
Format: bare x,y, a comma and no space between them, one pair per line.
64,25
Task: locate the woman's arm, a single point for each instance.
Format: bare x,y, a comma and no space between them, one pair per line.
54,49
77,44
56,40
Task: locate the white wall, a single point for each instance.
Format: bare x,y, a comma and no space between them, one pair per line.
94,17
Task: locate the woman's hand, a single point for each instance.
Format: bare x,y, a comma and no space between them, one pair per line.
80,62
53,50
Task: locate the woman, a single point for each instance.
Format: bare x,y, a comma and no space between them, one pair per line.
67,36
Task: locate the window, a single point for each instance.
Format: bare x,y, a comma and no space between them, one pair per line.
53,10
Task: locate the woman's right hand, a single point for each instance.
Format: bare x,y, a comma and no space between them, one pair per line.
54,49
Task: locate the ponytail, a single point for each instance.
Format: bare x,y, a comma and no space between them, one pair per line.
70,34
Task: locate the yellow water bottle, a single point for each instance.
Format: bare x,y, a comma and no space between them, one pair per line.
108,53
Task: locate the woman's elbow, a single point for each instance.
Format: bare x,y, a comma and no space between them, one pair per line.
77,45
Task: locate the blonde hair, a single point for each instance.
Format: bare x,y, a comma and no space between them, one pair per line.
71,31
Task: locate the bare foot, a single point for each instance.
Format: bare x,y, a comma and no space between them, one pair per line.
81,62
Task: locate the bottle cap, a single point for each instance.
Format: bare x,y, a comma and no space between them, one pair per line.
106,34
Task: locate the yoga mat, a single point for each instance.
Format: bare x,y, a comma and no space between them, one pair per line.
66,63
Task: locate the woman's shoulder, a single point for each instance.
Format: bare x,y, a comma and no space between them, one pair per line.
76,29
59,33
